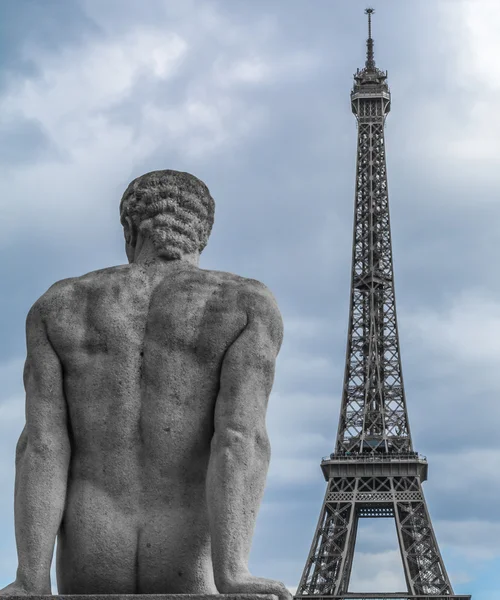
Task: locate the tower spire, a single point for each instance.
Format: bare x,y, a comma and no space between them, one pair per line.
370,59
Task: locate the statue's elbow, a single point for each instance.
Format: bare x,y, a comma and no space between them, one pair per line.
22,444
262,444
49,447
244,444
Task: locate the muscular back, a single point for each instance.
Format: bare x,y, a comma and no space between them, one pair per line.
141,349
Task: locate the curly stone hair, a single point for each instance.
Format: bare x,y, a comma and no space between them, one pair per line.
174,209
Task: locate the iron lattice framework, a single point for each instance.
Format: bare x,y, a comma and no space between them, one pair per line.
374,471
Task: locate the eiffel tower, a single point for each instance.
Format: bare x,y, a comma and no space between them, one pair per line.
374,471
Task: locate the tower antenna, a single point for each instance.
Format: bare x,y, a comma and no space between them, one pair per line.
370,59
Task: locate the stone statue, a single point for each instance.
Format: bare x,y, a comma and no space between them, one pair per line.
145,449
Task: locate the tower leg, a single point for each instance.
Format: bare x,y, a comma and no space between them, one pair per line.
346,567
330,560
424,566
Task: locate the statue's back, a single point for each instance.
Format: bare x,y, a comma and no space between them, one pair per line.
141,349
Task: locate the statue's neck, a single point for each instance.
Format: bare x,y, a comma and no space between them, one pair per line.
146,254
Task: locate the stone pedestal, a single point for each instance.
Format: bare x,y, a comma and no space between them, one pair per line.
148,597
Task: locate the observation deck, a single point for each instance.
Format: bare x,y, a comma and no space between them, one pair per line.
375,465
364,94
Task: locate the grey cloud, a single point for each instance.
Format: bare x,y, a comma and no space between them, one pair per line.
25,24
23,141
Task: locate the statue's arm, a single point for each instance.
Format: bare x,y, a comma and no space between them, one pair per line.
42,460
240,449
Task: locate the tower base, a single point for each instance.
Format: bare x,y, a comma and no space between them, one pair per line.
390,488
384,596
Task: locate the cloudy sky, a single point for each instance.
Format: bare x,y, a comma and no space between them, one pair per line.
253,98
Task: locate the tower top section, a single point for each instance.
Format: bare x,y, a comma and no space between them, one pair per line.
370,74
370,82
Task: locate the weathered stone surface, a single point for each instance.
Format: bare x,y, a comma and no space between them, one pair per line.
145,449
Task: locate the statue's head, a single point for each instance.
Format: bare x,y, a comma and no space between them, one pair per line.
173,209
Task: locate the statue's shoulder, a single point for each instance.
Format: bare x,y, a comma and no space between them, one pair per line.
250,289
66,292
252,295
